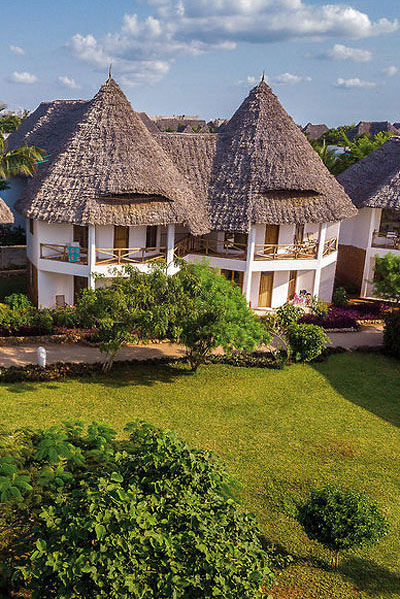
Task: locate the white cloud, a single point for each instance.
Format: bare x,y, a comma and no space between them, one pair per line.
23,77
391,71
342,52
68,82
290,79
146,48
353,83
17,49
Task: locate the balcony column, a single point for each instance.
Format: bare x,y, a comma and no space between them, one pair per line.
170,247
251,245
320,254
91,255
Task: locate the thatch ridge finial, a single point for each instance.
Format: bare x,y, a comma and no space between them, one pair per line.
263,76
109,71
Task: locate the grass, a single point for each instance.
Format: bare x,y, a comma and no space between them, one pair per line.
279,432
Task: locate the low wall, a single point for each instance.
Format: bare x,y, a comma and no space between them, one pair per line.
12,256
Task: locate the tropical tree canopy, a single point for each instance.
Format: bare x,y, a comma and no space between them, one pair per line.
21,161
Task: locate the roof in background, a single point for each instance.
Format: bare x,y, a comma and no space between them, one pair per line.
374,181
6,216
107,167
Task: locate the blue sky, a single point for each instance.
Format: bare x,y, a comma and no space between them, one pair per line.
333,62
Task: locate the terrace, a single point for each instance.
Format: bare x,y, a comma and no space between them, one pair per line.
203,246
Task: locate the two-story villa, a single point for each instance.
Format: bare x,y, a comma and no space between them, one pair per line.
373,184
255,200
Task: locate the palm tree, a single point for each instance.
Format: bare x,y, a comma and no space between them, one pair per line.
328,156
21,161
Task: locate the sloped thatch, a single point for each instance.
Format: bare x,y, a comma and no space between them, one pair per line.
370,129
374,181
261,153
109,159
106,167
6,216
314,131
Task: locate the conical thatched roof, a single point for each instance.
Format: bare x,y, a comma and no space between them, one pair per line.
111,170
6,216
107,167
266,171
374,181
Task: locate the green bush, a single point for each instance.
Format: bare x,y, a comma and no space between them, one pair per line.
65,316
18,301
289,314
319,307
340,297
391,333
145,517
341,519
307,341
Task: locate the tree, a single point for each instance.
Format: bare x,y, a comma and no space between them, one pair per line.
211,312
277,324
9,123
147,516
135,307
358,149
329,157
21,161
334,137
387,277
341,519
307,341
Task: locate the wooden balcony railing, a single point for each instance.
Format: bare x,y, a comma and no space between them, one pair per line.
210,247
130,255
62,253
330,246
306,250
389,240
73,254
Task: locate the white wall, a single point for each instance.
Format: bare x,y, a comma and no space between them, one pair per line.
356,231
281,288
52,284
332,230
305,280
326,284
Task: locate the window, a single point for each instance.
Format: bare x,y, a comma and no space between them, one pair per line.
31,226
121,237
80,283
235,238
81,236
151,236
390,221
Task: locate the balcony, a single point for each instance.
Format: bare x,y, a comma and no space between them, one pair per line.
306,250
387,241
103,256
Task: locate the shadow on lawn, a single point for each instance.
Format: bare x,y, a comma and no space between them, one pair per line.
122,374
370,577
369,380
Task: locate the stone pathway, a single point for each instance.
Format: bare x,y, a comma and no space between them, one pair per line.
18,355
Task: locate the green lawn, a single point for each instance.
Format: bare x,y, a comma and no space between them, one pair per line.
279,432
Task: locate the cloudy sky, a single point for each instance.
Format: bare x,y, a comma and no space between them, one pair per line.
333,62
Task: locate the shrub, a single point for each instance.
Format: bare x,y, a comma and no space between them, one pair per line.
391,333
387,277
341,519
319,307
339,297
148,516
65,316
18,301
289,314
307,341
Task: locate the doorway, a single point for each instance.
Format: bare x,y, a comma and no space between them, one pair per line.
80,283
271,234
151,236
121,237
266,287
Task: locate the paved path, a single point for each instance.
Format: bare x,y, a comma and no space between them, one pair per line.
19,355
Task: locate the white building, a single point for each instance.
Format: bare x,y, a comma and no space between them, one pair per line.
255,200
374,186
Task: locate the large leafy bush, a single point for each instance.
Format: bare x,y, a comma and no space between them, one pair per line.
307,341
89,516
341,519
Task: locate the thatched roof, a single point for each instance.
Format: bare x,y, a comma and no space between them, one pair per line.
370,129
111,170
265,171
107,167
314,131
6,216
374,181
